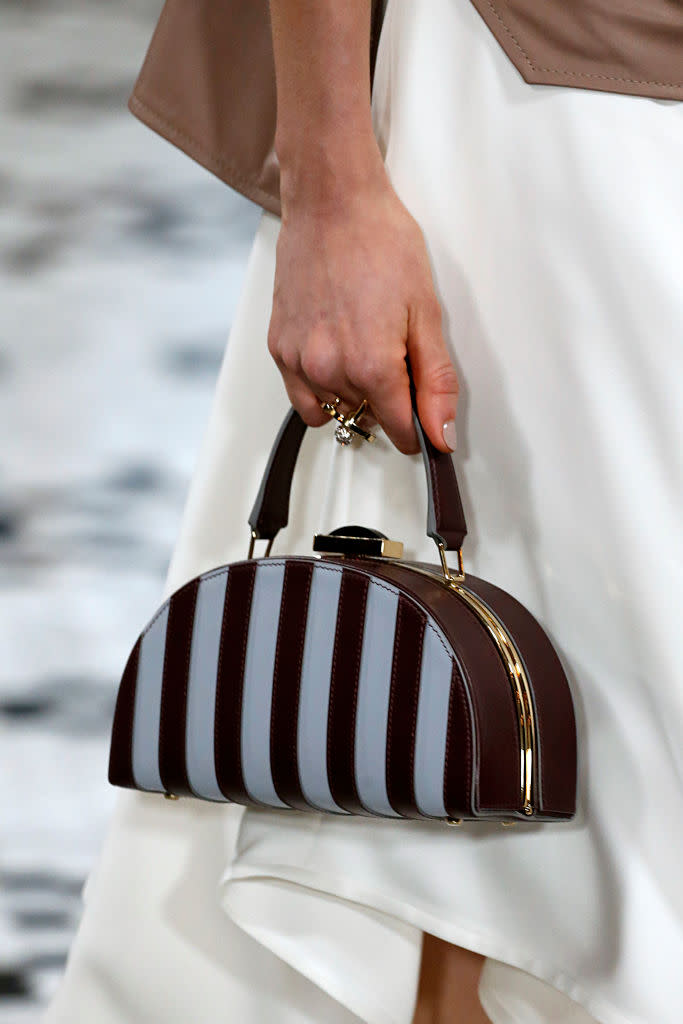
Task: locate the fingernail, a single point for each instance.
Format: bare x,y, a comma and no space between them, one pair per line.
449,434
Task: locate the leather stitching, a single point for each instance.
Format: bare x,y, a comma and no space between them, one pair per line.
220,689
435,493
413,723
186,675
320,568
275,686
457,685
206,154
290,460
333,676
299,662
565,71
306,601
392,694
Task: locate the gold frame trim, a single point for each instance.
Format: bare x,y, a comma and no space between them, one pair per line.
519,680
520,688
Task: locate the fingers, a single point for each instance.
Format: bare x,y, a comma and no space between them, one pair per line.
436,381
321,369
316,376
385,389
388,393
307,402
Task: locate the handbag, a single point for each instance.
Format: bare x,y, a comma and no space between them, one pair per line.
350,681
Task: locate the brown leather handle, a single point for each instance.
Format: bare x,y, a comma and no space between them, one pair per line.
445,516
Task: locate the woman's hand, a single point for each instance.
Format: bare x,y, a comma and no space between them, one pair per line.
353,285
353,295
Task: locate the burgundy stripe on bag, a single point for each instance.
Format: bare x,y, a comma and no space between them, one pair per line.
344,690
170,680
405,688
287,682
231,662
172,768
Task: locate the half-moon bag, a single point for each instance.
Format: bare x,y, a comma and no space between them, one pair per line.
351,681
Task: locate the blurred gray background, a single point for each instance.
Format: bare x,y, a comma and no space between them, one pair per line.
120,265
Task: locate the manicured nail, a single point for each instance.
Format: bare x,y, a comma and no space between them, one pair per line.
449,434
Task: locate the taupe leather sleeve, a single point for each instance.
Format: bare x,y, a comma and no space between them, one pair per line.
208,81
208,86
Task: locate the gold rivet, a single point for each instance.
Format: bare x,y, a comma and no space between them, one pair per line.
171,796
454,821
508,824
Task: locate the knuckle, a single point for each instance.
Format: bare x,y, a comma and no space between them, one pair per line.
442,379
358,371
369,374
320,362
289,357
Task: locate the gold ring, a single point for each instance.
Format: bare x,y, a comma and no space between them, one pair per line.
332,408
347,425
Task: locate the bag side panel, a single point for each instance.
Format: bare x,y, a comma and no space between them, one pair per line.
551,693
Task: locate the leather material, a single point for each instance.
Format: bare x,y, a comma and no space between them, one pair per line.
480,763
402,720
557,742
207,84
286,683
172,767
495,738
458,762
344,692
121,751
626,46
445,515
270,512
227,740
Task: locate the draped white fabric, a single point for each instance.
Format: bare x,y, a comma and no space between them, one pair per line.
553,220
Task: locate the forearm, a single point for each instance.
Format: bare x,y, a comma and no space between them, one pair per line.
324,138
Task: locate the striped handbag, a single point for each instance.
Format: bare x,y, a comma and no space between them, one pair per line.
351,681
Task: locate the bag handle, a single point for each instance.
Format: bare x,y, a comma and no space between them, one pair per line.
445,516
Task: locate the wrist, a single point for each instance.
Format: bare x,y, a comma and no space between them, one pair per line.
326,171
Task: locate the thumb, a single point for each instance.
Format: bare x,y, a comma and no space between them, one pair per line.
436,383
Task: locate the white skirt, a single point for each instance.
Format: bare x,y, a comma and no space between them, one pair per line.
553,220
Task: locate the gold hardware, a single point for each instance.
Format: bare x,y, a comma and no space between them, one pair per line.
447,571
171,796
507,824
350,544
454,821
520,685
514,665
347,424
331,408
252,540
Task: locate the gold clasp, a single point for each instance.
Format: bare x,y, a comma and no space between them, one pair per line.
448,574
355,541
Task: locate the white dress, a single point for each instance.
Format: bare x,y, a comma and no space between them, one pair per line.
553,218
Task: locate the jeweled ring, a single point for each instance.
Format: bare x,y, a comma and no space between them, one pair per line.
348,425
